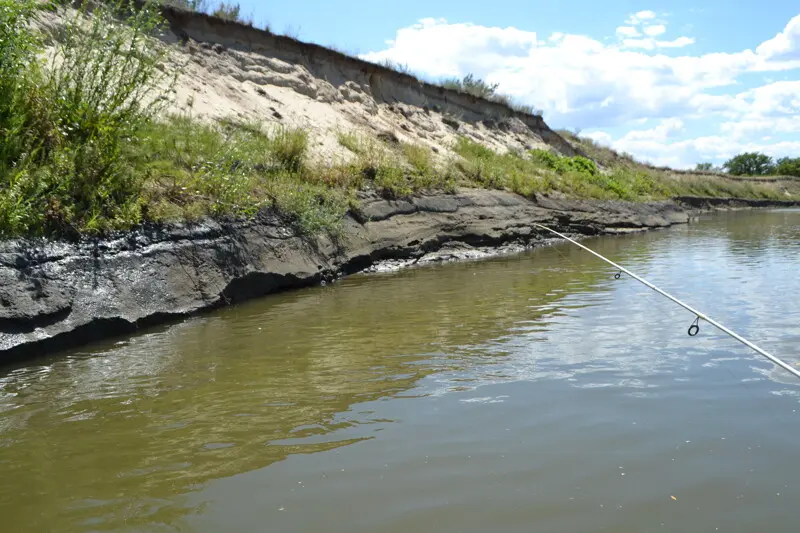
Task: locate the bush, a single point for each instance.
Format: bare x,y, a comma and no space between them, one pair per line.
561,164
477,87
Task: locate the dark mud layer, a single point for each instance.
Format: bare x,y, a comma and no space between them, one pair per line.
711,204
55,295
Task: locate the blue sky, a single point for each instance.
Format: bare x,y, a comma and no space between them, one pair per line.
673,83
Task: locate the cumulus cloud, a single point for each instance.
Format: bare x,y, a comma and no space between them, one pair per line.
457,45
772,108
750,127
754,118
576,79
652,44
581,81
784,46
655,31
641,16
661,133
685,153
627,31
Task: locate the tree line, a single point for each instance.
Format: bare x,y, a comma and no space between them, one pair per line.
756,164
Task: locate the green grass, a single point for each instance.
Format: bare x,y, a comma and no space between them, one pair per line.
394,171
192,169
62,168
540,171
672,183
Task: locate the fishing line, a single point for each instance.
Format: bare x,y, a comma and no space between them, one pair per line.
694,329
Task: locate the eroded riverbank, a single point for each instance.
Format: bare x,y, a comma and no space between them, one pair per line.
57,294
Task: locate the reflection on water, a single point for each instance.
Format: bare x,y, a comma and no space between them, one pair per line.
467,397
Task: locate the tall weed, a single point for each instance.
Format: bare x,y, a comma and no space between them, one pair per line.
66,132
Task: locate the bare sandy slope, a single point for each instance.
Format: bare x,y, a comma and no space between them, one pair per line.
234,71
250,85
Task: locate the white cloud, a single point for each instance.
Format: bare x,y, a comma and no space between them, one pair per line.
665,130
785,45
627,31
778,98
652,44
676,43
770,108
456,44
600,137
641,16
748,127
583,82
661,145
654,31
576,79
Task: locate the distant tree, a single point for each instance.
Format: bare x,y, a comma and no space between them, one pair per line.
788,167
704,167
749,164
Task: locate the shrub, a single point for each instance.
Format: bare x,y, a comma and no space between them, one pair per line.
561,164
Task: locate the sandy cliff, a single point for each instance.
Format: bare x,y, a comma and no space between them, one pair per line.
230,70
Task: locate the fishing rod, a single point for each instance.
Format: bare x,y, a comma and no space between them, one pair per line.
694,329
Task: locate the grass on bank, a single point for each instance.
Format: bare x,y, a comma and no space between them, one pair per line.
688,183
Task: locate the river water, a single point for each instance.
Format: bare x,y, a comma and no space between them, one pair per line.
525,393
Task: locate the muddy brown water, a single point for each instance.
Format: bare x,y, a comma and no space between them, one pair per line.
525,393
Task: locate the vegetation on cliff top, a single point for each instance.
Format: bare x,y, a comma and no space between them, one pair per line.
85,145
758,164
